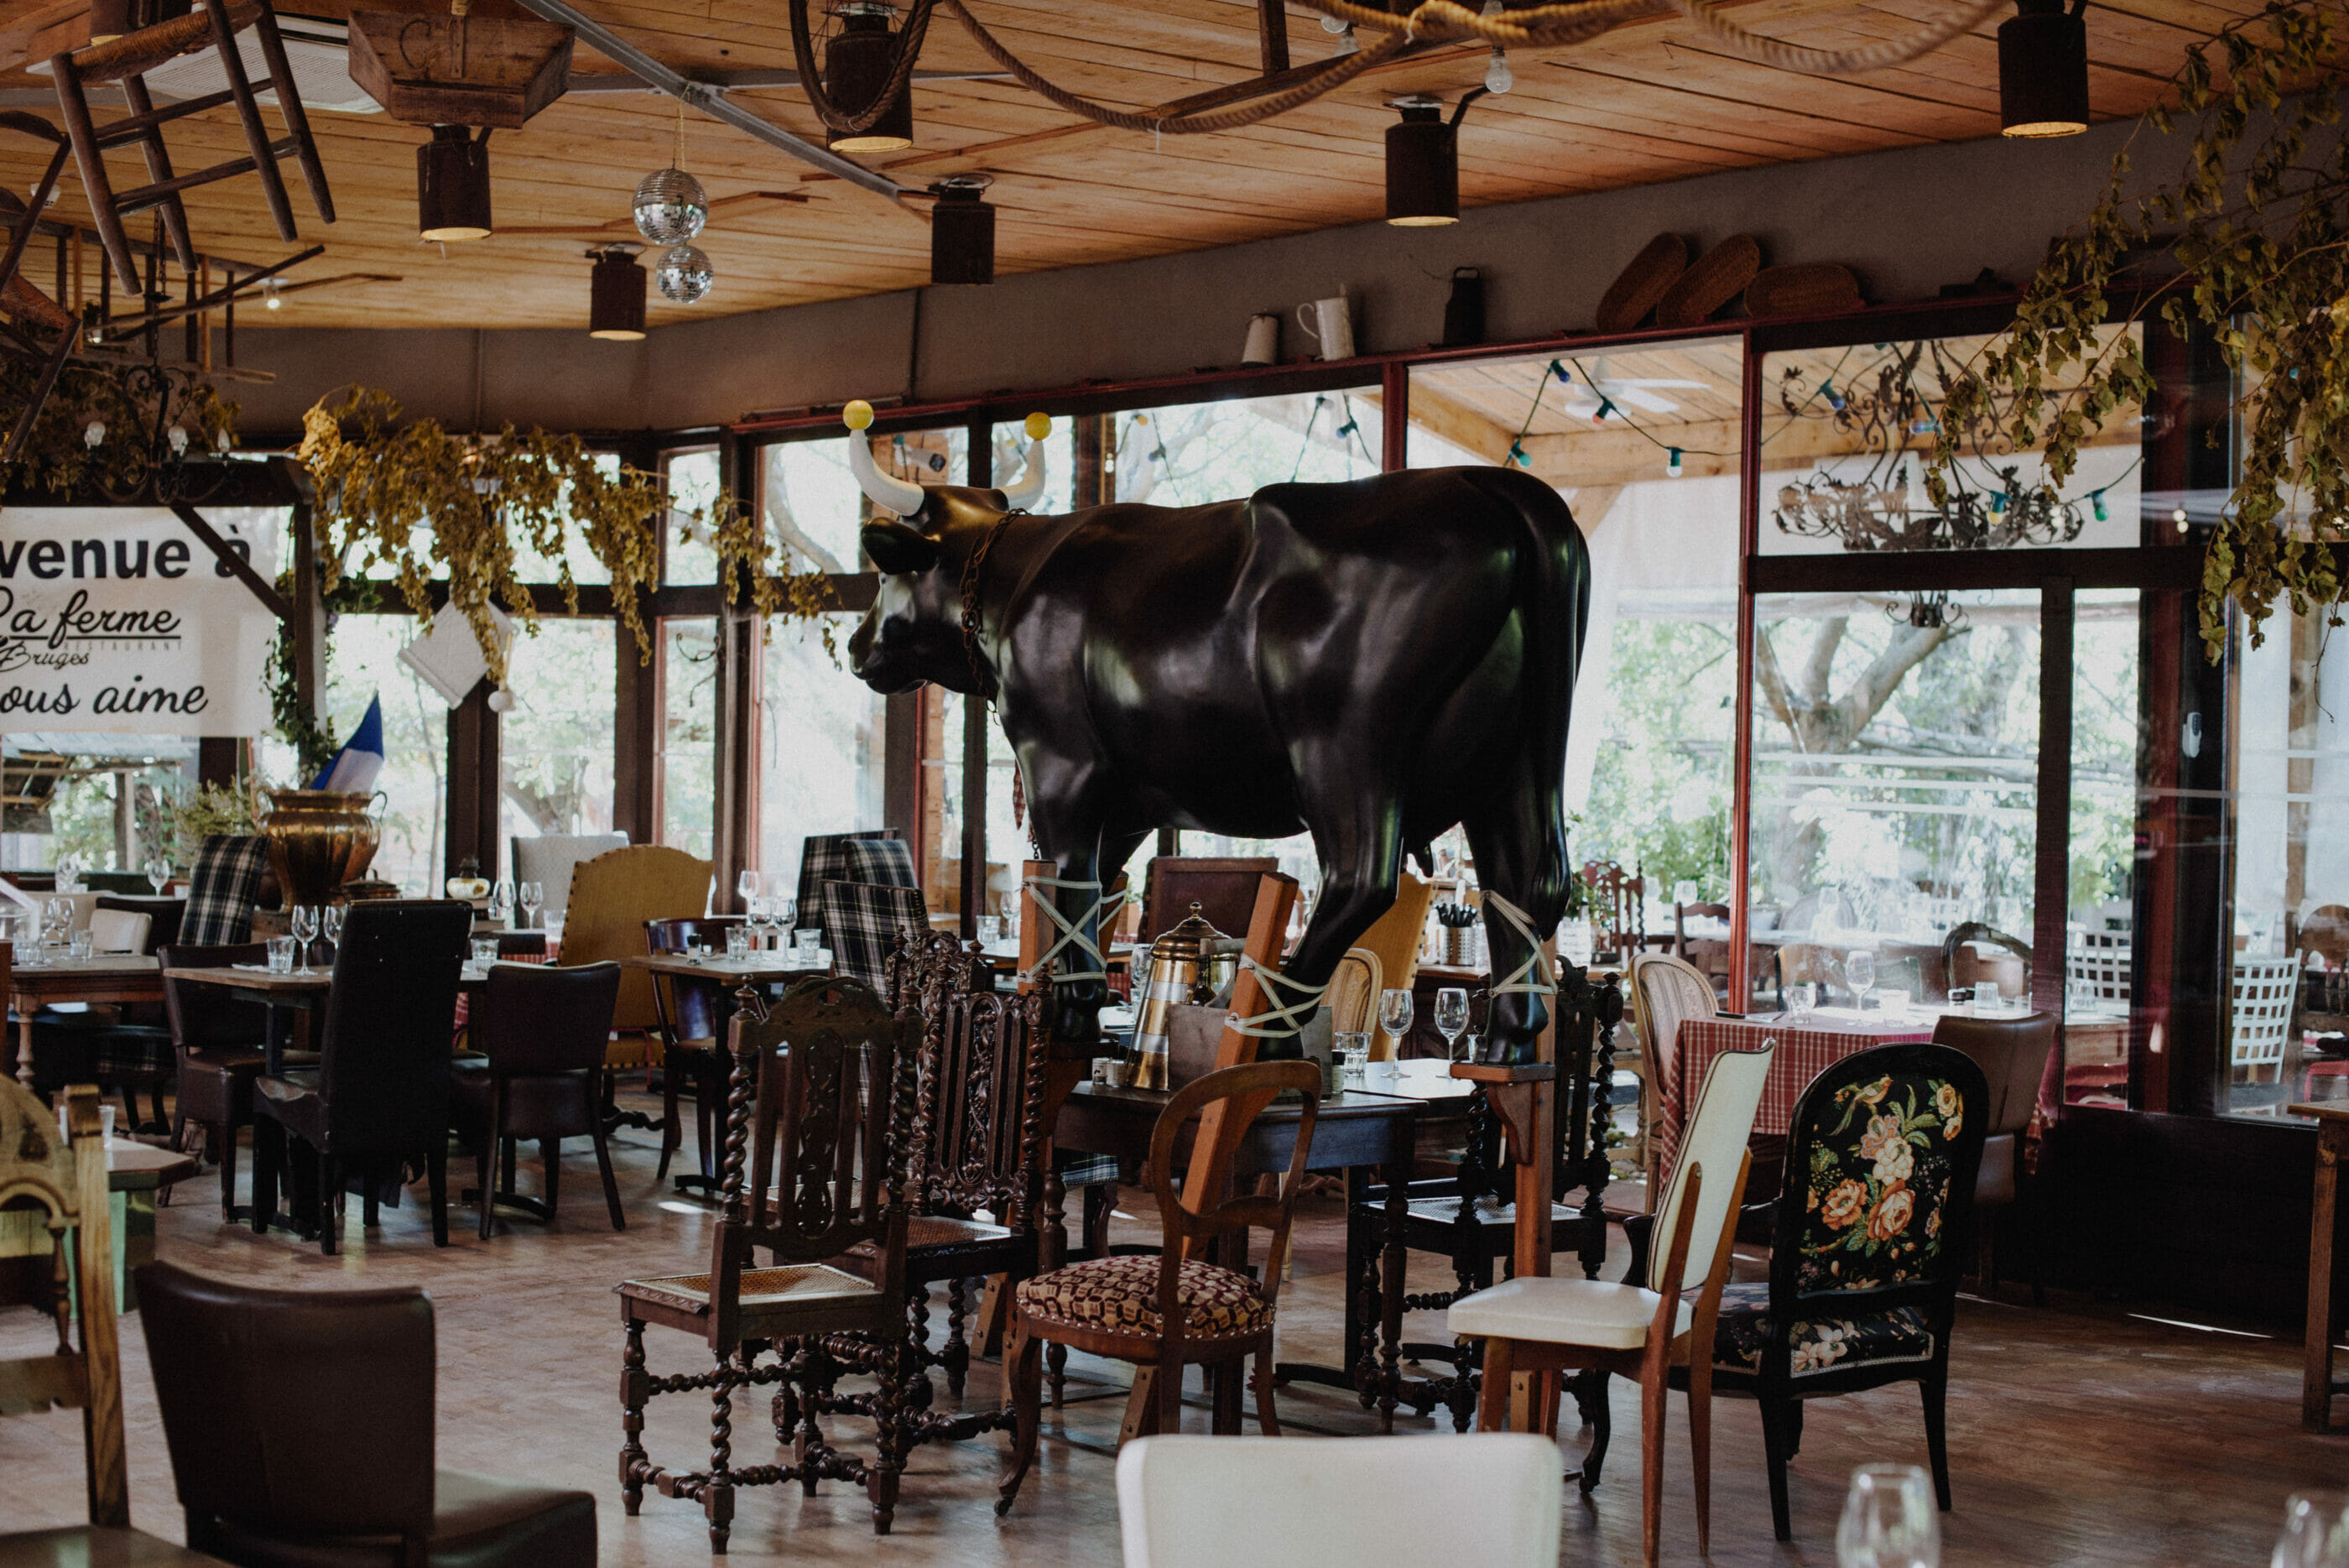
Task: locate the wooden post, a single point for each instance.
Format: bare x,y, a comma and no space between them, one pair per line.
101,1411
1221,1123
309,617
2316,1377
475,776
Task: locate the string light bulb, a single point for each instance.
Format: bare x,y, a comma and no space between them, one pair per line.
2096,504
1672,463
270,290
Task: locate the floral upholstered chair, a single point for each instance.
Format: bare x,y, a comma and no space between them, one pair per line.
1870,1237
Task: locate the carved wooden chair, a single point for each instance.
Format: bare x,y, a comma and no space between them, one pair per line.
127,60
823,1136
689,1014
1618,908
1177,1309
1708,955
1660,1318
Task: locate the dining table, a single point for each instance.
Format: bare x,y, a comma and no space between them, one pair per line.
1371,1124
292,998
1809,1044
118,978
135,1175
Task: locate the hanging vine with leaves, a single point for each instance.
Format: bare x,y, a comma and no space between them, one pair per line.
2248,246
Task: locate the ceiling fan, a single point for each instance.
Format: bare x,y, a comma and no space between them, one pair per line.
1633,391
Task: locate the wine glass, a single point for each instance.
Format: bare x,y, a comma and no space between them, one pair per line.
747,885
1394,1015
1859,974
534,894
158,871
1451,1017
1888,1519
56,920
330,925
302,921
501,902
2315,1533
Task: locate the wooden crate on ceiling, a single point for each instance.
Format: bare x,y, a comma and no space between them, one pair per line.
458,70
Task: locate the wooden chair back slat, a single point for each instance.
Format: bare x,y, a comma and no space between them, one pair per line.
978,1138
1198,1214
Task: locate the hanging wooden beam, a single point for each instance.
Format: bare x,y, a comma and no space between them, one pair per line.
238,567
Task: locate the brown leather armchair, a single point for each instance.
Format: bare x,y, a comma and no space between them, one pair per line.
217,1034
2012,1054
541,1032
301,1429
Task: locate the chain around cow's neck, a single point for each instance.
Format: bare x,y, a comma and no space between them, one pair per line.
971,570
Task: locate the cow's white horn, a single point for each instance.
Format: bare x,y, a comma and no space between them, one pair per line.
888,493
1030,486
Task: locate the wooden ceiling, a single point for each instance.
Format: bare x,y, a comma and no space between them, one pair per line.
1649,102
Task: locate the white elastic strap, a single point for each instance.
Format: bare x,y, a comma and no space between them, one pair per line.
1536,962
1073,932
1278,1023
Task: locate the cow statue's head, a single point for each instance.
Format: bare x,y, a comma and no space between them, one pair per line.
913,633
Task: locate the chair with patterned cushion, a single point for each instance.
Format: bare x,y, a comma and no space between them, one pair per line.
1882,1155
864,922
223,884
1177,1309
1658,1319
829,1069
825,857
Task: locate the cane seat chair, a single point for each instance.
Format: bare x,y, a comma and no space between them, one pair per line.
1642,1327
822,1092
1177,1309
1666,992
1883,1152
1353,995
127,60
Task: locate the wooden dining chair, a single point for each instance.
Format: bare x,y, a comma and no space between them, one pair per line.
541,1031
218,1040
1666,992
127,60
1177,1309
823,1095
1882,1156
688,1012
1644,1329
1353,994
1223,887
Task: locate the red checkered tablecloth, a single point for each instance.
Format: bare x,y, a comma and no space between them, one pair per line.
1804,1054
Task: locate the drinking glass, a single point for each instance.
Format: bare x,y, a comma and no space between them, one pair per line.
485,952
805,946
1450,1018
1859,974
1394,1015
2315,1532
991,929
302,921
696,949
281,955
501,902
534,894
1355,1052
1801,997
738,941
1986,997
747,884
1896,1005
1889,1520
57,918
158,871
787,908
81,944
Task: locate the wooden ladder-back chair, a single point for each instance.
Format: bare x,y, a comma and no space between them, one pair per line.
823,1136
1166,1313
127,60
50,1188
1619,909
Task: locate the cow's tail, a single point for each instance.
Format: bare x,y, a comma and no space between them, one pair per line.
1553,595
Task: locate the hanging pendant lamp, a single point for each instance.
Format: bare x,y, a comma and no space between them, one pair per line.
2043,69
962,231
858,65
615,300
452,186
1424,162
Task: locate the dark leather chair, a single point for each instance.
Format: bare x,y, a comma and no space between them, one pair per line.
1223,887
541,1032
122,1046
217,1036
301,1430
2012,1054
691,1019
380,1095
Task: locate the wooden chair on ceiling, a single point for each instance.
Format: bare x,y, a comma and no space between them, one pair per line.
829,1071
46,1188
24,305
214,24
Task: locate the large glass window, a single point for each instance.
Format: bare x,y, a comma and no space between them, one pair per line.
821,729
97,798
2102,1025
686,768
556,742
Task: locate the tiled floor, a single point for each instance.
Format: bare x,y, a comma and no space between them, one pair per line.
2079,1433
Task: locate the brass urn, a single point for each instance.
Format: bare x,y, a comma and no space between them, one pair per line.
1189,964
318,840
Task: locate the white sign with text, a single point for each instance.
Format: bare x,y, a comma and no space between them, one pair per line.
119,621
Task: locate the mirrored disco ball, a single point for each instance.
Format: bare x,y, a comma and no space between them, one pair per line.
683,275
670,208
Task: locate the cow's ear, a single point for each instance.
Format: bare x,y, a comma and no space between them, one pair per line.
899,550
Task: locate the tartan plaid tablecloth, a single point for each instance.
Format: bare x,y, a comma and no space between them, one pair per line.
1824,1039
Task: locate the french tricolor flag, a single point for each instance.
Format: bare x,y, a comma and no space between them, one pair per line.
354,767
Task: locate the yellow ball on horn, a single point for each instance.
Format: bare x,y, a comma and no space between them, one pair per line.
857,414
1039,426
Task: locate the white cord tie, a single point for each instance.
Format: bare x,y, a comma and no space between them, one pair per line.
1073,932
1536,964
1278,1023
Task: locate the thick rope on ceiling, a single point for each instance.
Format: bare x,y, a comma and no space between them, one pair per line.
909,49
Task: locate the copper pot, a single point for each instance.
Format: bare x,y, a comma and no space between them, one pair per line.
318,840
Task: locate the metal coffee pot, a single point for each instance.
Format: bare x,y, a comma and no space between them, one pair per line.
1194,962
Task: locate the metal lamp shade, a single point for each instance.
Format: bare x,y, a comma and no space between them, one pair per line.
452,186
1422,170
856,67
2042,71
616,304
962,236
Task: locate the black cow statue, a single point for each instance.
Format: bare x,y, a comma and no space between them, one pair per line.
1369,662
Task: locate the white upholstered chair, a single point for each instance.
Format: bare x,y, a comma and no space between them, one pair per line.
1643,1331
1339,1502
1664,991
